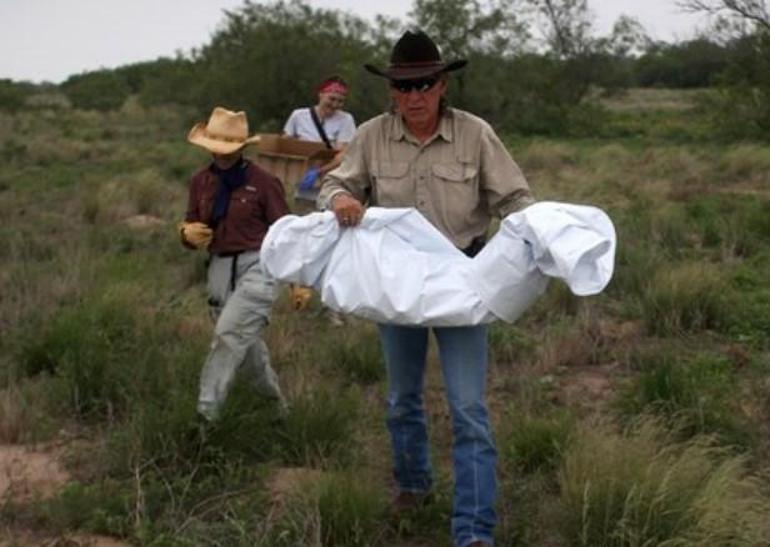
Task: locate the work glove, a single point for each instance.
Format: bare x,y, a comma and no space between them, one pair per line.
299,296
195,234
309,178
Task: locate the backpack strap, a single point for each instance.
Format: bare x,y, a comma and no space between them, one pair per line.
320,128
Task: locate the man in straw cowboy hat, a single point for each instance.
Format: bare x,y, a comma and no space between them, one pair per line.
452,167
231,205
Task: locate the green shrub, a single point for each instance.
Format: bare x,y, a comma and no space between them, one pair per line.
350,510
334,508
319,427
532,442
357,355
736,224
150,192
103,508
685,297
557,301
14,95
640,488
168,432
99,90
510,344
216,502
80,346
221,502
696,392
547,155
743,162
749,314
635,263
106,354
13,151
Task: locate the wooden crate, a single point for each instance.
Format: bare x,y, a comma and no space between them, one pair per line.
288,159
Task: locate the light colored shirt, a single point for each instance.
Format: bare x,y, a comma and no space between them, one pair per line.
395,267
339,127
458,179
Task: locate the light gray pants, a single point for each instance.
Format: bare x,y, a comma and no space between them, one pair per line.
240,298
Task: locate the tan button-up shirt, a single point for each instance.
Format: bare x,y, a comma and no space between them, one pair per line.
458,179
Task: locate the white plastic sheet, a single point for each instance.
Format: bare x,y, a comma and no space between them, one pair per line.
395,267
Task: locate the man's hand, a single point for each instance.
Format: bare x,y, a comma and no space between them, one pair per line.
299,296
196,234
347,209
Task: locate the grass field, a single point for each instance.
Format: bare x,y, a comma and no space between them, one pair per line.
639,417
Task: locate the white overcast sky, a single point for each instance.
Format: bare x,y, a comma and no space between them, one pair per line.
48,40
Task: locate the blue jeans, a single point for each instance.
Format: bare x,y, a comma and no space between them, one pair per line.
463,354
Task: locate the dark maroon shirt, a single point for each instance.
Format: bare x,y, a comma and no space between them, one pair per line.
253,207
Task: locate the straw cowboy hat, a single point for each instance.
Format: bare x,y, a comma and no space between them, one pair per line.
415,55
225,132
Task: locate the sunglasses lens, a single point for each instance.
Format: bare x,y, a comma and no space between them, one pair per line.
422,85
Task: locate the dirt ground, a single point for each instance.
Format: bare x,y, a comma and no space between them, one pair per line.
29,474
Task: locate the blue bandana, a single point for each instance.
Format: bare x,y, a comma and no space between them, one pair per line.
229,179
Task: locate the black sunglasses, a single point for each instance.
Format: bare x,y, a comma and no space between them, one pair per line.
420,85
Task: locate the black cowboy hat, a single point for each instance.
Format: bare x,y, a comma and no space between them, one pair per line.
415,55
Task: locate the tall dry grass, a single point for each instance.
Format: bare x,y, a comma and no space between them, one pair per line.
685,297
640,487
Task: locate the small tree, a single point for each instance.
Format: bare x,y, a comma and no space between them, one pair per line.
754,12
268,59
99,90
13,95
690,64
742,108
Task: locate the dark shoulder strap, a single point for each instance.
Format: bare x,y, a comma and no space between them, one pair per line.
320,128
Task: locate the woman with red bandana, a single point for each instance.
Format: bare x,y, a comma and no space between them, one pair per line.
325,122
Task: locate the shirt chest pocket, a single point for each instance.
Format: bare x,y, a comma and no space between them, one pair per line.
455,172
245,205
393,185
458,179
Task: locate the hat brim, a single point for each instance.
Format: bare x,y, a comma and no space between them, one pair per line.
197,136
412,72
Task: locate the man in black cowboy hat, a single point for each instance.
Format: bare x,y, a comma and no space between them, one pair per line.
452,167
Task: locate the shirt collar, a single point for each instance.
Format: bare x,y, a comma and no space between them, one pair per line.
445,128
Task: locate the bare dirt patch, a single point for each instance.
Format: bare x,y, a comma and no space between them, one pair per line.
587,387
27,474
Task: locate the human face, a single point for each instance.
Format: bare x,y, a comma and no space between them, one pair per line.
418,100
225,161
331,102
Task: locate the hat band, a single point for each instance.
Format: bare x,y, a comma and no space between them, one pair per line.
222,138
418,64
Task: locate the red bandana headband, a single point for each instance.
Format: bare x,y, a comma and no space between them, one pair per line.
332,86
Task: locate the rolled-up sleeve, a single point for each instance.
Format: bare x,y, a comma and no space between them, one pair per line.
352,176
503,182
